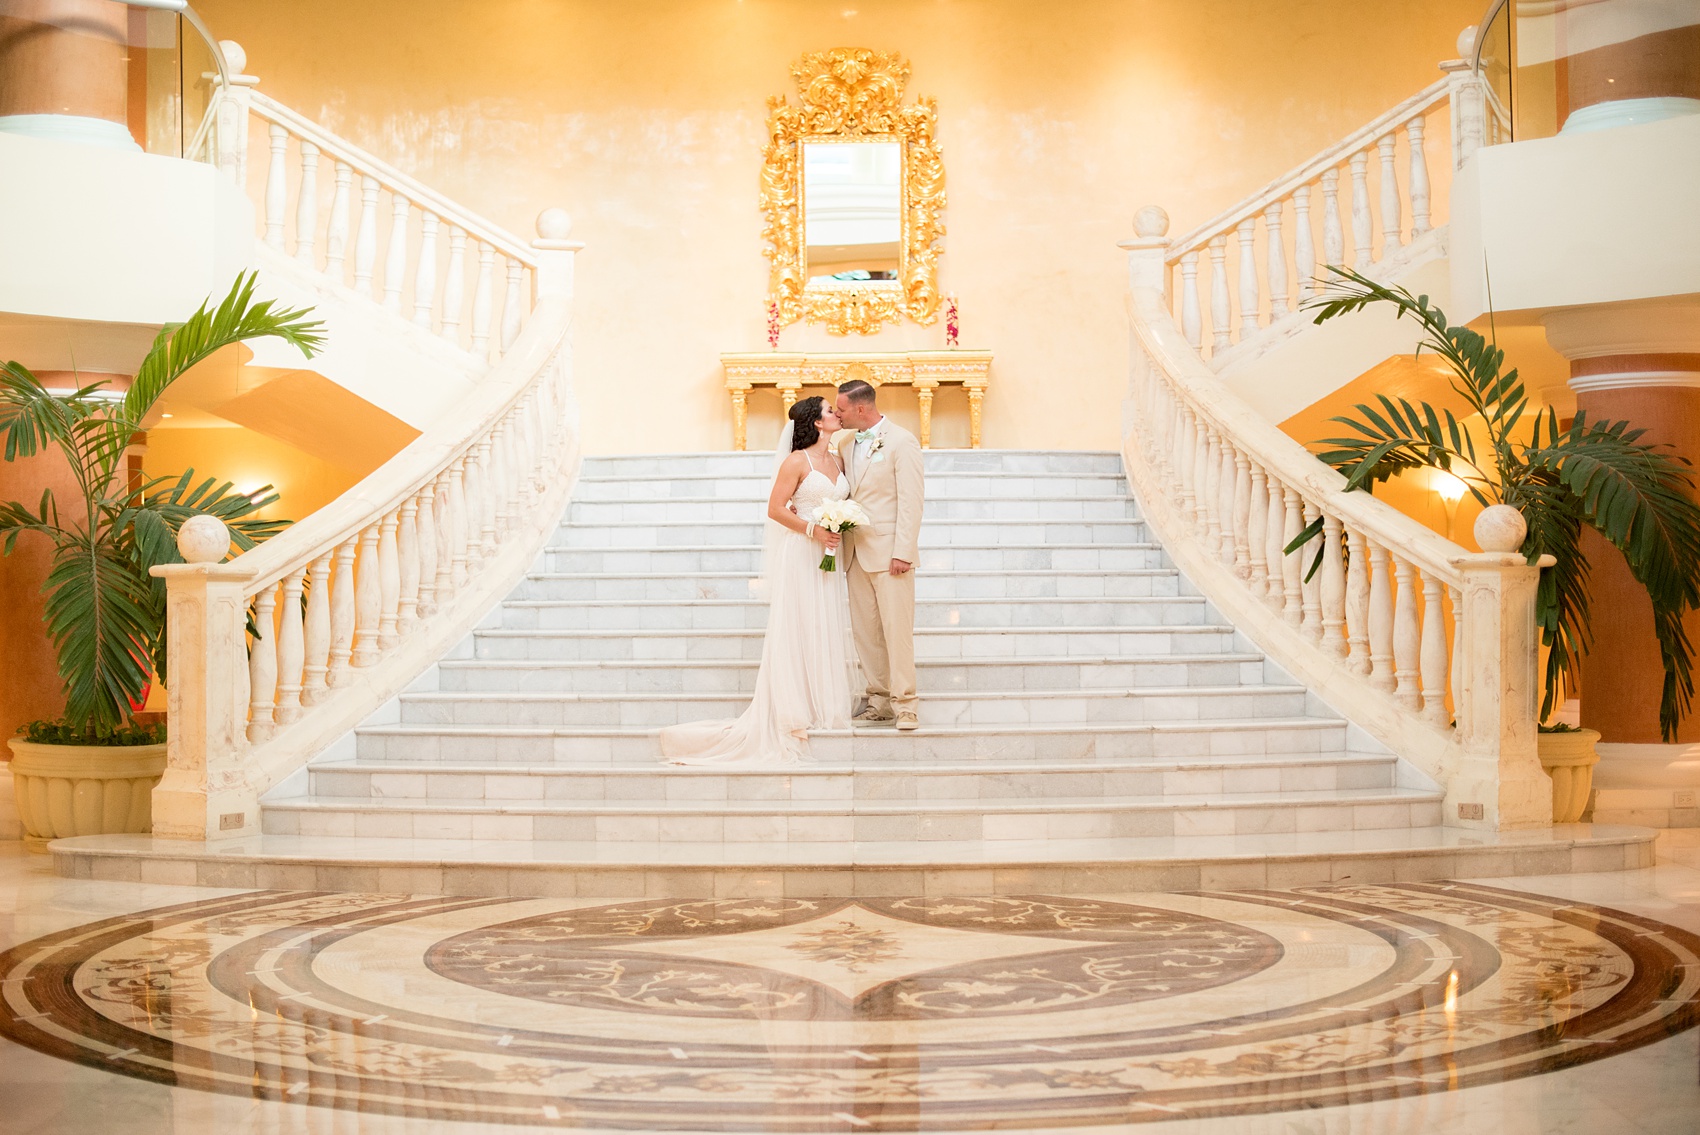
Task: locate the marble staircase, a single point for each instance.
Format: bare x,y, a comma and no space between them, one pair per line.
1088,722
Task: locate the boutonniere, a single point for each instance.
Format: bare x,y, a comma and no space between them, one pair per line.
877,453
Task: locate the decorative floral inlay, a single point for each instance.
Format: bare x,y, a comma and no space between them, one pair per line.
847,945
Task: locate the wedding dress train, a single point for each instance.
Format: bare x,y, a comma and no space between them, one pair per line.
804,679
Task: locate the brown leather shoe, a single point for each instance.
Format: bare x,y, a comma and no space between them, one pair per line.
906,720
872,716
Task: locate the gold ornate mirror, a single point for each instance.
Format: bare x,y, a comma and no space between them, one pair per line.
853,189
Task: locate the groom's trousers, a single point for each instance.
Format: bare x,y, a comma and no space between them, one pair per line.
882,618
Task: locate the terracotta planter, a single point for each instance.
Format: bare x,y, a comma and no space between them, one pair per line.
67,790
1569,758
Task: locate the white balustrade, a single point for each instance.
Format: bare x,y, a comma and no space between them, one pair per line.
1360,612
1272,262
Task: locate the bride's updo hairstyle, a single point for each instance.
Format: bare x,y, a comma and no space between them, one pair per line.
806,415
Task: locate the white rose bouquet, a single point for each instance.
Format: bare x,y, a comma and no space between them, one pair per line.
840,517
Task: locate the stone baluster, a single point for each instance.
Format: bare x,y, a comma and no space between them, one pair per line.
407,566
1456,676
444,592
1225,501
1212,490
291,649
389,583
1357,603
395,259
1333,589
366,237
426,519
1275,591
1419,178
483,300
1434,665
1333,237
307,205
1392,222
1381,620
487,541
460,539
1247,230
1312,579
1362,228
262,667
513,310
1242,515
336,240
1276,262
425,273
500,487
454,285
1202,501
316,653
1184,462
1221,318
1192,321
472,487
368,599
1257,531
1292,563
1304,245
342,613
277,186
1407,637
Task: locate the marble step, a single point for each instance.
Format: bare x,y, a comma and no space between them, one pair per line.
941,486
862,821
711,510
822,782
613,615
938,710
760,463
1111,742
739,676
1005,585
746,557
931,643
1066,866
934,533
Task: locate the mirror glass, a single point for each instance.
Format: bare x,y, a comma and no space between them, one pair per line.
852,210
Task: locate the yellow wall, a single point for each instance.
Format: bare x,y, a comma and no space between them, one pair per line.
249,460
645,119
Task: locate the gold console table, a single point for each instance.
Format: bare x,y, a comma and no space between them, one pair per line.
926,371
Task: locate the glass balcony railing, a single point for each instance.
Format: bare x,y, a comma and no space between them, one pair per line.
1548,68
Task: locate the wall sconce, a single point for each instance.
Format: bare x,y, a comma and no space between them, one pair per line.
1451,490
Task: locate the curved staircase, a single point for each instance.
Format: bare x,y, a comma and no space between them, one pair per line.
1088,722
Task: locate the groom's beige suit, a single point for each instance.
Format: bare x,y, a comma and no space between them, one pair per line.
886,479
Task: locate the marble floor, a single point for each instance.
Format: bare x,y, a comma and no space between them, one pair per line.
1513,1006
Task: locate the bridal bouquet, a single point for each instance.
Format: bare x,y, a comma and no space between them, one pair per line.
838,516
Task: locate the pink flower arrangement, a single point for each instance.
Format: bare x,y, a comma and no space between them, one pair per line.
952,329
773,324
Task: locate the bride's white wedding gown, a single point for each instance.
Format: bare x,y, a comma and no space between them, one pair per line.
804,679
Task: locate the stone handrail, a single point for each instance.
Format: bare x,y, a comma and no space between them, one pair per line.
1393,625
1256,260
285,649
423,257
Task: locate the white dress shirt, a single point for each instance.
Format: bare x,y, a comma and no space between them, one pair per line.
864,447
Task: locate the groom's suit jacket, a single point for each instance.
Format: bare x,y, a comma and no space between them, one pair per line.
888,484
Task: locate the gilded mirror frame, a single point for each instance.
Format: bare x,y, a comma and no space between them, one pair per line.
853,94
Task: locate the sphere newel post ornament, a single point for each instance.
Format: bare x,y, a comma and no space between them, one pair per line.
555,251
1500,528
203,539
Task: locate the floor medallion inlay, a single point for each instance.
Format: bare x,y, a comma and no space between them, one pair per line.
791,1015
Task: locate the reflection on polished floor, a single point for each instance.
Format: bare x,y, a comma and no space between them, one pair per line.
1553,1004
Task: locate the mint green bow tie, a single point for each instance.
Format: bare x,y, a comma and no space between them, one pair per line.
866,435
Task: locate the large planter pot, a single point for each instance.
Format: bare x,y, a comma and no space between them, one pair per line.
67,790
1569,758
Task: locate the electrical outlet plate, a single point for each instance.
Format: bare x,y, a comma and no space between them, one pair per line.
1470,812
1685,799
231,821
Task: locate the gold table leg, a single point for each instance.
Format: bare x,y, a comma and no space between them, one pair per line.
740,418
975,394
788,398
925,395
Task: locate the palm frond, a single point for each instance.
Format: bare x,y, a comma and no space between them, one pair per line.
99,620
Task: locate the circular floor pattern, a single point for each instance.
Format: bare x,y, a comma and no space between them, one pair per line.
791,1015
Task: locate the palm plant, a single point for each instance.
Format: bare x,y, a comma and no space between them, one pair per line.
1591,472
105,613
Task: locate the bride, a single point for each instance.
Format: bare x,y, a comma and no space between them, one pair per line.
804,679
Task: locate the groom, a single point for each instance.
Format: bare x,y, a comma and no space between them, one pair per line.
884,465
